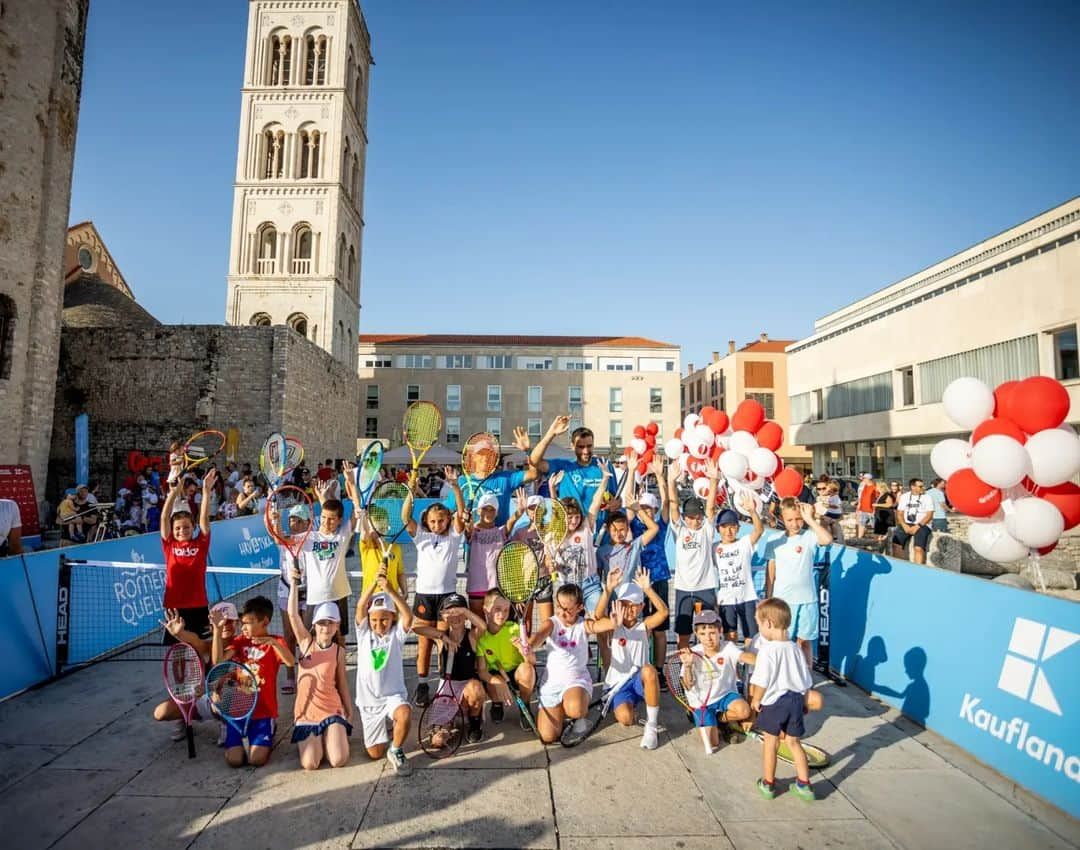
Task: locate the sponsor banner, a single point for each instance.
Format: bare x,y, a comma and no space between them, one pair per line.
82,448
992,668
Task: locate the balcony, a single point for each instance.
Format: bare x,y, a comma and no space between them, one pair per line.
265,265
301,266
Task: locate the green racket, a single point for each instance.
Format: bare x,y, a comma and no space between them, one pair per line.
518,574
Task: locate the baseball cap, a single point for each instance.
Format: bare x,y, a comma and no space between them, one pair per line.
648,500
728,517
533,501
227,610
70,491
299,511
631,593
327,611
453,600
693,507
380,602
489,500
867,475
706,617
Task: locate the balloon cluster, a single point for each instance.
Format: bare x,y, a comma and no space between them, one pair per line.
743,447
643,446
1012,474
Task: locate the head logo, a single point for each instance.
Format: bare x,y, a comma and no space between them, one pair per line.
1030,645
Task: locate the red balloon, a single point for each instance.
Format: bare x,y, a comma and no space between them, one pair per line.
714,452
770,436
1046,550
678,433
998,425
718,422
639,432
1003,399
1039,403
971,495
788,483
1066,498
648,456
705,412
642,467
652,429
749,416
650,439
628,451
696,466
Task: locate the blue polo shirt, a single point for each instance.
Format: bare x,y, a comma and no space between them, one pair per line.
501,484
579,482
653,556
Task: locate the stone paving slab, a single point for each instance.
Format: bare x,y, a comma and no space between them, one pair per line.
132,741
159,822
623,842
819,835
19,761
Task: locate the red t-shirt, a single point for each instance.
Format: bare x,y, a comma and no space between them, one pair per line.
263,662
185,571
326,473
867,497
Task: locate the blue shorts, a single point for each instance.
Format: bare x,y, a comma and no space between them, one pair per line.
686,601
711,715
632,691
260,733
804,621
785,715
591,590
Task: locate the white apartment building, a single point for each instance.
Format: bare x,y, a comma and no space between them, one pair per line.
866,386
494,383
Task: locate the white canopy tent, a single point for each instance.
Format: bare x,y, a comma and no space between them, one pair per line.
437,455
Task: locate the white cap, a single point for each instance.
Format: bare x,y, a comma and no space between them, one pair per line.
533,501
630,593
867,475
488,500
227,610
648,500
380,602
327,611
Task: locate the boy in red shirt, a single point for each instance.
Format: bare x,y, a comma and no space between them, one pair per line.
263,654
185,559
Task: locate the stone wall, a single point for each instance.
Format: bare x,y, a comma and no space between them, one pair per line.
143,389
41,62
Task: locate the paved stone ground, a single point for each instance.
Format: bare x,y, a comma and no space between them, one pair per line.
82,765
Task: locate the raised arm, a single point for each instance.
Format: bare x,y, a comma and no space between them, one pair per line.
519,510
560,425
823,535
651,527
296,619
524,444
660,609
673,493
746,502
204,506
459,500
406,510
713,473
405,616
167,509
598,496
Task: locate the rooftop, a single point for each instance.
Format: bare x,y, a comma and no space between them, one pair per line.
496,339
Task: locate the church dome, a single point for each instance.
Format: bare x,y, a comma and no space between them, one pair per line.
90,302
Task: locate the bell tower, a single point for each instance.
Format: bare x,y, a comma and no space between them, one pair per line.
298,198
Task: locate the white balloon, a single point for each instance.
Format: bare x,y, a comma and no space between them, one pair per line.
741,490
755,483
993,542
683,460
673,448
743,442
690,421
695,445
723,441
639,446
968,401
1000,461
950,455
734,465
701,487
1035,522
1055,456
705,434
762,462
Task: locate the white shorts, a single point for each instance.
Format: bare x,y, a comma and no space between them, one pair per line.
203,711
377,719
283,602
551,693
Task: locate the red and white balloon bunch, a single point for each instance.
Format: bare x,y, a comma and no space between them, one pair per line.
744,448
1013,473
643,445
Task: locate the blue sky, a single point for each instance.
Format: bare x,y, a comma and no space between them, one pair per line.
687,171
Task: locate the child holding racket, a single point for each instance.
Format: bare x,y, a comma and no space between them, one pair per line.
372,558
438,548
630,679
185,560
778,692
735,591
623,553
693,533
499,657
485,540
263,654
383,621
322,713
298,517
575,559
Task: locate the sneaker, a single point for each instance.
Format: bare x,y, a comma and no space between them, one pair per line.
496,712
766,789
179,731
422,695
803,791
649,738
662,679
221,735
581,726
476,731
397,760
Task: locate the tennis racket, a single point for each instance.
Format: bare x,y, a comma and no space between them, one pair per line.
289,517
183,672
691,685
367,471
442,725
479,461
518,576
549,520
272,459
384,514
816,757
202,447
598,710
421,426
233,692
522,706
294,454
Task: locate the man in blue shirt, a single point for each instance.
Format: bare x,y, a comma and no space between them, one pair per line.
582,475
939,521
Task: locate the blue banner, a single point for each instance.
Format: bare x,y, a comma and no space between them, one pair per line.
82,448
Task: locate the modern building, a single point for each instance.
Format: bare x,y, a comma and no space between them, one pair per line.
298,209
757,371
494,383
866,386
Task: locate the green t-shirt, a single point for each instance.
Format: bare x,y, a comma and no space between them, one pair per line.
498,649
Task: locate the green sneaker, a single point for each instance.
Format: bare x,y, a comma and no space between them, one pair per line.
803,791
766,789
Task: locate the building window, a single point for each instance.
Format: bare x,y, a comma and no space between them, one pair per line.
356,177
301,263
345,169
1066,363
1012,360
863,395
535,428
453,430
494,398
267,256
536,399
615,400
86,259
656,400
372,397
351,276
494,361
615,433
766,401
907,386
298,322
371,427
280,60
575,424
260,320
655,364
414,361
535,363
378,363
453,396
758,373
574,399
576,364
494,427
818,409
617,364
315,61
8,314
412,393
456,361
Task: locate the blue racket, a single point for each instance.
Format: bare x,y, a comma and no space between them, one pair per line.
233,692
367,471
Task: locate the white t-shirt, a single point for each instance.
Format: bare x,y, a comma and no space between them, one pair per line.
576,556
379,670
734,581
437,560
629,652
794,556
706,691
694,567
913,508
780,667
322,563
9,518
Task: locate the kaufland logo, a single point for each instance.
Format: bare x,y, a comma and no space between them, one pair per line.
1021,674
